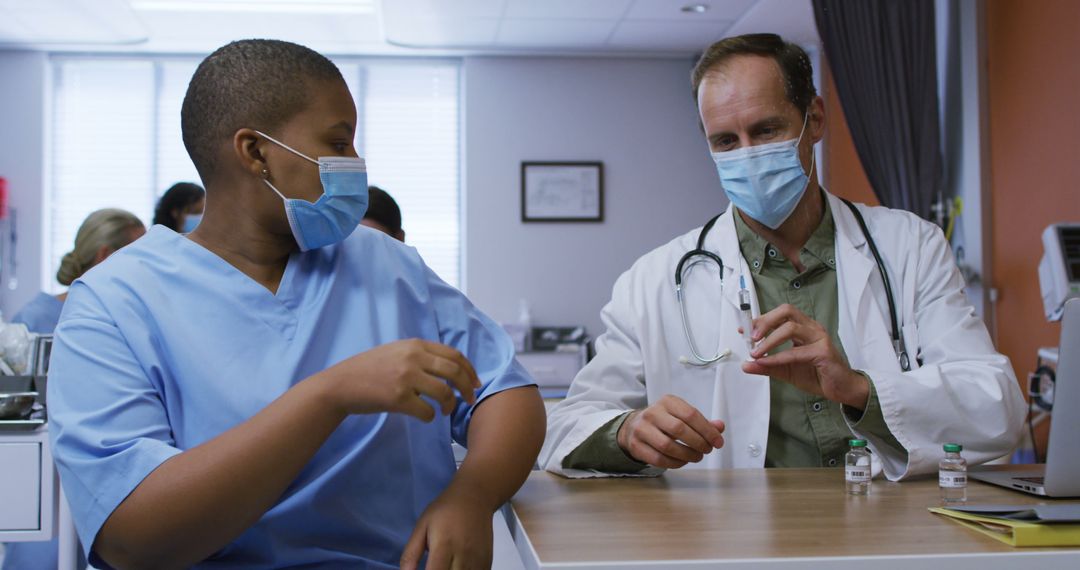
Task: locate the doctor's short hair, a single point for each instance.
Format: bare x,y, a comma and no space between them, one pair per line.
794,64
255,84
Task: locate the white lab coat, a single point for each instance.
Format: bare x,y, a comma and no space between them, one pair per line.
963,391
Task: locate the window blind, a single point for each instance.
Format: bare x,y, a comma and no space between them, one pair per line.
116,142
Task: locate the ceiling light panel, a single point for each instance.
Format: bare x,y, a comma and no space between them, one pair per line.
717,10
570,9
258,6
31,23
442,32
203,32
667,36
558,34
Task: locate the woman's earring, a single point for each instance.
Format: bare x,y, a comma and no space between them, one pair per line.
266,173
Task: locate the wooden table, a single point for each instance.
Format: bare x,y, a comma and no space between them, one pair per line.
790,518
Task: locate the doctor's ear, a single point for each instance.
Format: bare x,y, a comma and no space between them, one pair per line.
815,122
248,146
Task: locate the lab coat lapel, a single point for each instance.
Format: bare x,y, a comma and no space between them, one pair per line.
739,399
863,328
723,240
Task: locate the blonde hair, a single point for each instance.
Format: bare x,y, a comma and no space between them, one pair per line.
110,227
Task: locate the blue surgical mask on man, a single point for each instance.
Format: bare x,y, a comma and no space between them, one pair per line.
765,181
338,211
191,221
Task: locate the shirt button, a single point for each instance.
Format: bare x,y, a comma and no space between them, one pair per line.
757,264
796,284
772,252
817,406
832,462
832,261
753,449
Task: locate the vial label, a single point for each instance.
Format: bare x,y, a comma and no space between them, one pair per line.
952,479
857,474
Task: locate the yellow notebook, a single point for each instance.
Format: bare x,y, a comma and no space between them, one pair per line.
1017,533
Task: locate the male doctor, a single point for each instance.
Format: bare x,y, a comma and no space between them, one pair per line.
807,358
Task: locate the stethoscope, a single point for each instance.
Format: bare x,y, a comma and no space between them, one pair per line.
700,254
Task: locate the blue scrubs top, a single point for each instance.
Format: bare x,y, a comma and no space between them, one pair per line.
41,314
165,346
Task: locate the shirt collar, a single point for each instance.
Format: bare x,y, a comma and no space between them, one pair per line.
755,249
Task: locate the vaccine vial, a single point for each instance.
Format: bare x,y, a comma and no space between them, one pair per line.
857,468
952,475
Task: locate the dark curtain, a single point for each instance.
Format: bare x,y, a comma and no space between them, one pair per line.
883,59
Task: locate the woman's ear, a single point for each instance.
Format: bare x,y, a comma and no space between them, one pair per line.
248,147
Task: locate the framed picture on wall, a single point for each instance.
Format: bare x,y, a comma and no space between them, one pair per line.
562,191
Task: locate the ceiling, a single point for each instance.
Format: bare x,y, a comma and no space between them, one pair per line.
401,27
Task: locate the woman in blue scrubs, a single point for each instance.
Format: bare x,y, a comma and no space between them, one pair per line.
280,387
101,234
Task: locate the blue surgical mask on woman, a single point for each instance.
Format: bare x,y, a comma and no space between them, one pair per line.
765,181
191,221
338,211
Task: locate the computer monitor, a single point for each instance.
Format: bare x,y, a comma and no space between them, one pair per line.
1059,268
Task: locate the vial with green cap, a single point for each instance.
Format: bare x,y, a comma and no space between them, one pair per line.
857,468
952,475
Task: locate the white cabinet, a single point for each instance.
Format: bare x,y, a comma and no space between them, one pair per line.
555,369
28,487
20,486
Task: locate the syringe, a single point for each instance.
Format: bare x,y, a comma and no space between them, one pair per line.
748,317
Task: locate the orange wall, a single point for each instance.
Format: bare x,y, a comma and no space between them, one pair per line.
845,174
1034,82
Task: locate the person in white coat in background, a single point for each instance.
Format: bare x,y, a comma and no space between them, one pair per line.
793,329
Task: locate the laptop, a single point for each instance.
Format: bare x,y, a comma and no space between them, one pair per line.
1060,475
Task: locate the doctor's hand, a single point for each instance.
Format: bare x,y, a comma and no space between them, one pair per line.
812,364
455,531
394,377
669,434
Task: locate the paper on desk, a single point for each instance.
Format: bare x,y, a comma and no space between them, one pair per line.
1017,532
1066,513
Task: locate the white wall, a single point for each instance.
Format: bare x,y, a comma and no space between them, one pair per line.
637,116
23,91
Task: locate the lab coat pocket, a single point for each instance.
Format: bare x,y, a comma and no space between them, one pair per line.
875,353
911,342
696,384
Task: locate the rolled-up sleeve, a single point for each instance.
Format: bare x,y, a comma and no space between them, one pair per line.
487,346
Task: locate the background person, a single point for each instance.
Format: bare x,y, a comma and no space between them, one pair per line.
100,235
383,213
181,207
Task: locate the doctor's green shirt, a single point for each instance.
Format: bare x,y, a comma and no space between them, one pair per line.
805,430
